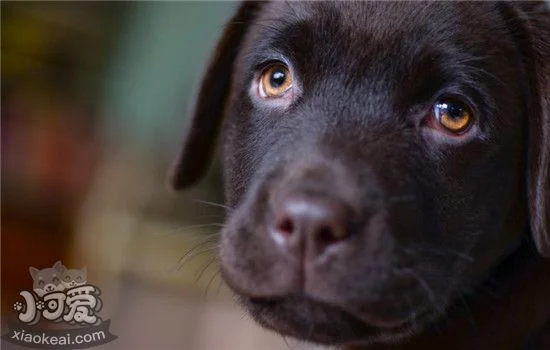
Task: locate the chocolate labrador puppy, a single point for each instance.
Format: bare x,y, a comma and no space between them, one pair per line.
386,166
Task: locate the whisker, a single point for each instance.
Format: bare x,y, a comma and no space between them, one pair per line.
411,306
179,229
484,73
426,287
286,342
200,272
210,282
194,255
214,204
473,59
206,242
209,244
440,251
220,286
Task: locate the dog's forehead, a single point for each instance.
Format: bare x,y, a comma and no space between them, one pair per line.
46,272
382,47
355,27
375,17
354,32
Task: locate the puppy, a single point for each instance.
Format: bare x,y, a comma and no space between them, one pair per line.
386,166
47,280
74,277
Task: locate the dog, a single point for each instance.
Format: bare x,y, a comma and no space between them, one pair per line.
74,278
47,280
386,169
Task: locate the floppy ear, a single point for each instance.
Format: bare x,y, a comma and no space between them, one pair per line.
203,127
539,164
537,22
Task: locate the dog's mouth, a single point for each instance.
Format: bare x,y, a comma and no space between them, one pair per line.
330,324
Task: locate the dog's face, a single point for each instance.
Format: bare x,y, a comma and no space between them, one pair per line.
375,160
47,280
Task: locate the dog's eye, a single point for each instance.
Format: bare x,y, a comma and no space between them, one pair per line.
275,80
453,115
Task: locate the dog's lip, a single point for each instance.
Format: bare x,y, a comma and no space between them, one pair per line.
363,333
266,316
373,322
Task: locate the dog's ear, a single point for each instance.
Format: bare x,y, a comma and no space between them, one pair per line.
59,266
33,271
536,22
203,128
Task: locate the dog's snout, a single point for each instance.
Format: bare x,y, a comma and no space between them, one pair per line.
309,223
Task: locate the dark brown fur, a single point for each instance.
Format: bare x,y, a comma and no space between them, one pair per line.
445,234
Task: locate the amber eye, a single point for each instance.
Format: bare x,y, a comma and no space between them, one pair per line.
275,81
452,115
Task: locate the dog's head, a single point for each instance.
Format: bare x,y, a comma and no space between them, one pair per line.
379,158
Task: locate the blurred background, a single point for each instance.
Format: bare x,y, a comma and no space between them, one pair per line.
94,96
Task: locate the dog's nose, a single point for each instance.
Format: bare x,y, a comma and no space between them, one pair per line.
309,223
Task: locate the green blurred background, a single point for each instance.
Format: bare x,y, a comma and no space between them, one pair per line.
94,101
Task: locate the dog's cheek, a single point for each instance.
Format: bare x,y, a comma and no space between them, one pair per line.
243,155
479,207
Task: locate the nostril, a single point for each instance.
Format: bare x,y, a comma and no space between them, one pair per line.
316,222
285,226
327,235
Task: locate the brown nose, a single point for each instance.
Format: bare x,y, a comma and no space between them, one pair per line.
309,224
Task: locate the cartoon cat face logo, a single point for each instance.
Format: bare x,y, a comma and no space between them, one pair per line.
74,277
47,280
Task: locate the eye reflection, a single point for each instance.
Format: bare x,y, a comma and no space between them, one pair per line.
452,115
275,81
